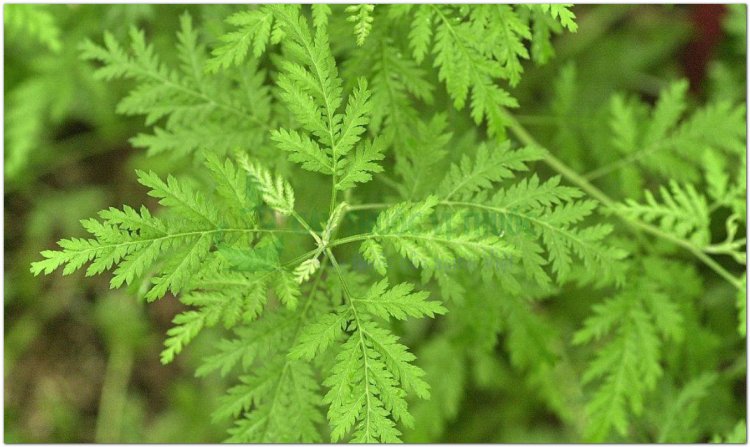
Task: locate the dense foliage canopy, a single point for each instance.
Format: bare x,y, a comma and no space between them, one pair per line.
389,219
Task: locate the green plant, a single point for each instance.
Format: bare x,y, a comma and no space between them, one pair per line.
346,110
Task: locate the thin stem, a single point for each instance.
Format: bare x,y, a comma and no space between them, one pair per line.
615,165
387,181
697,252
725,247
114,393
350,239
289,263
329,112
188,233
333,194
367,206
271,230
553,121
302,318
302,257
523,135
307,227
360,331
538,120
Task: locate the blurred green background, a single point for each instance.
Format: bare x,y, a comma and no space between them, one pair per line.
81,361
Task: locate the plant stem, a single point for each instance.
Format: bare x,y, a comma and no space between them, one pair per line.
333,194
526,138
367,206
360,331
302,257
619,164
302,319
113,397
387,181
350,239
307,227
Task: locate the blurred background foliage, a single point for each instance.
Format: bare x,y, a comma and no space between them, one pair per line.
82,362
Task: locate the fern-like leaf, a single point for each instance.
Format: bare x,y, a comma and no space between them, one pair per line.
276,192
254,30
684,212
636,321
361,16
360,168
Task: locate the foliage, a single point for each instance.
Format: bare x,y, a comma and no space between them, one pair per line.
375,253
46,92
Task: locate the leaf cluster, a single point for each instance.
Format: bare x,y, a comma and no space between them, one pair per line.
302,121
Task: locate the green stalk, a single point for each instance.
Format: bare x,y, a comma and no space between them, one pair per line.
526,138
114,395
